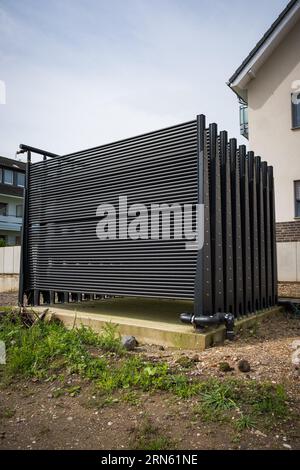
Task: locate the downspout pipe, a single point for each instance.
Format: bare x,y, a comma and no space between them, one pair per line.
201,321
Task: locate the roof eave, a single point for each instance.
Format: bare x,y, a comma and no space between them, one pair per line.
245,73
240,93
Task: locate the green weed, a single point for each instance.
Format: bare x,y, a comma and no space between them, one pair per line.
149,437
48,351
47,348
7,413
244,422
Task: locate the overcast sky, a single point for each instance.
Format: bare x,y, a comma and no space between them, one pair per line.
80,73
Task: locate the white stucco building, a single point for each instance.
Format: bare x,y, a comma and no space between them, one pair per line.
267,84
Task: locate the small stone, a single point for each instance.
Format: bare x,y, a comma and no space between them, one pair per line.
225,367
244,366
20,420
109,423
259,433
69,418
129,342
287,446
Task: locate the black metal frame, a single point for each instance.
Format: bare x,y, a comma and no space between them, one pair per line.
235,272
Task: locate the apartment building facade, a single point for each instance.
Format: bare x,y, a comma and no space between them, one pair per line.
267,84
12,180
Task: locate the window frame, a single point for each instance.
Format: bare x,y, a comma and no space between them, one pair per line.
295,198
294,127
17,175
5,205
12,173
19,205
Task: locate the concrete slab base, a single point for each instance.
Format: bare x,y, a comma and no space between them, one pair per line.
151,321
9,282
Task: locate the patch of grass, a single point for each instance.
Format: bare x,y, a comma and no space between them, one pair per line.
50,350
132,398
218,395
135,373
185,362
271,400
46,348
7,412
109,340
99,401
253,399
7,308
149,437
210,415
58,392
252,331
73,391
244,422
236,438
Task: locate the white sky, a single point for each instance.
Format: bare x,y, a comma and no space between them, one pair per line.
80,73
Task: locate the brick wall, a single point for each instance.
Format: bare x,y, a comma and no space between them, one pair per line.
288,231
289,289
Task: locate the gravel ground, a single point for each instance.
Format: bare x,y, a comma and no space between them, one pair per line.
32,416
8,298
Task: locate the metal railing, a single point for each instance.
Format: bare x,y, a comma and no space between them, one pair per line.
189,163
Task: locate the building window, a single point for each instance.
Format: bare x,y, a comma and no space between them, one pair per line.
18,240
8,176
19,210
295,110
3,208
20,179
297,198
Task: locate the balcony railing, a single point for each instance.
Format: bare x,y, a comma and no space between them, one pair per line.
244,125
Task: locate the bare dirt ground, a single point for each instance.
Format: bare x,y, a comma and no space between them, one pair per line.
8,298
34,415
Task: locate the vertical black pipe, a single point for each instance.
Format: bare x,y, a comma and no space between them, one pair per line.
253,231
246,242
236,228
24,271
208,308
273,237
261,238
227,224
199,278
216,221
268,246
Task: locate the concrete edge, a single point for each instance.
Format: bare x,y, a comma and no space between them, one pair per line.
169,335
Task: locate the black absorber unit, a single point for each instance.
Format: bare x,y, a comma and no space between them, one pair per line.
234,273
